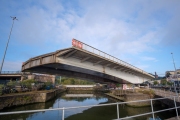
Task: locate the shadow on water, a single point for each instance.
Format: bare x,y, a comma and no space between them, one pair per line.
34,106
93,113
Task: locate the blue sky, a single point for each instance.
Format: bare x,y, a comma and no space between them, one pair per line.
140,32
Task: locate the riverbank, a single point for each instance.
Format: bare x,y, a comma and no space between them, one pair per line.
108,112
131,96
17,99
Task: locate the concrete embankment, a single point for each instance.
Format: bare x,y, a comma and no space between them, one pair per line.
27,98
130,96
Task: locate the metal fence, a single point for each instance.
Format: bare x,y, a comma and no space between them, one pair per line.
14,72
110,104
11,72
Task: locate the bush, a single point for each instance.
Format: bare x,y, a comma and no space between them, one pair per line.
155,83
48,83
28,82
1,87
11,83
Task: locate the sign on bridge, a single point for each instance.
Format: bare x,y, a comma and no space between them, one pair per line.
76,43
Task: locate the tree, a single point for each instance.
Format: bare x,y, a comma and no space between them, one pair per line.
74,81
163,82
155,82
169,83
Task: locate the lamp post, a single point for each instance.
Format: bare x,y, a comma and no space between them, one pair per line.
173,62
175,75
13,18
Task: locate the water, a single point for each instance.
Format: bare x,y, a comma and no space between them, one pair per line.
93,113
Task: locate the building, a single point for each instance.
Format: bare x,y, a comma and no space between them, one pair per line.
173,75
41,77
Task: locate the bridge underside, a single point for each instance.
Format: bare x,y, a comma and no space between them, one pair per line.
75,72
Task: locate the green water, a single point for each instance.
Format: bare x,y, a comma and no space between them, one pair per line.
93,113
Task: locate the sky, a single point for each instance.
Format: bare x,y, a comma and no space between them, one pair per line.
143,33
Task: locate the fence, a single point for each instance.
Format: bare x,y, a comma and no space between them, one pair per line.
100,105
11,72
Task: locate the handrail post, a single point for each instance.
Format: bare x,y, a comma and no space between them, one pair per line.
117,111
63,114
152,109
176,108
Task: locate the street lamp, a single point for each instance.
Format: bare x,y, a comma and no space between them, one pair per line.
173,61
175,74
13,18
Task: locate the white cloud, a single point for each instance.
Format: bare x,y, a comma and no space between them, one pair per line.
118,27
122,29
145,58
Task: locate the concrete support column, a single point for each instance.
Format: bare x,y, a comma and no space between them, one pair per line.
53,79
31,76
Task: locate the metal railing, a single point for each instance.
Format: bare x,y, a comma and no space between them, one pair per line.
10,72
14,72
100,105
107,56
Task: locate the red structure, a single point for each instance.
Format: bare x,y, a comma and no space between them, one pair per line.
77,43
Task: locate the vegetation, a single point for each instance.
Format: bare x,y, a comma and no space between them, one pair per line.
163,82
156,82
11,83
1,86
48,85
28,83
73,81
169,83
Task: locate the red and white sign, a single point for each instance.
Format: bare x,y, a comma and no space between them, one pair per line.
76,43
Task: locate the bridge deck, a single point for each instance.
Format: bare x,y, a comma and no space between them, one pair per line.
86,62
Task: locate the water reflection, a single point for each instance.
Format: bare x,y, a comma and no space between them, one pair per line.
59,102
72,99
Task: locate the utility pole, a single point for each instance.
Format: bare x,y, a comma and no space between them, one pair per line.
13,18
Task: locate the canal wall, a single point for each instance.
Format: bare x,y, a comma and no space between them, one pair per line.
128,96
136,97
169,102
27,98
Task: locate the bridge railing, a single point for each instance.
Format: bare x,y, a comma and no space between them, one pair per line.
107,56
110,104
10,72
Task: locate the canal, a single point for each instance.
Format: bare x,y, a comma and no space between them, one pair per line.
82,99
